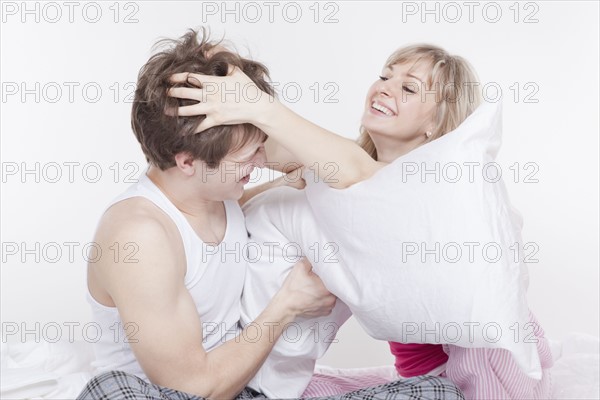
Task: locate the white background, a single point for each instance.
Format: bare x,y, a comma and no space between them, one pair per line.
553,59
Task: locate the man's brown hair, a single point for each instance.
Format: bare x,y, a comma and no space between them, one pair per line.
158,128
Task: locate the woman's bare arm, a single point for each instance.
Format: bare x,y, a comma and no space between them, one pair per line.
340,162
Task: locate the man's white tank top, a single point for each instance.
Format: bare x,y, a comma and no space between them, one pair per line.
214,278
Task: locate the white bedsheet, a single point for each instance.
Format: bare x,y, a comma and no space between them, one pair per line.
60,370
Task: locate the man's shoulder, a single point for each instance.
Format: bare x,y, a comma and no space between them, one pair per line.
134,238
135,218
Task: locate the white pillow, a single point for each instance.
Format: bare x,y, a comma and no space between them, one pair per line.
385,225
282,227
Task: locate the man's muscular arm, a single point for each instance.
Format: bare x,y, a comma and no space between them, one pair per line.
150,295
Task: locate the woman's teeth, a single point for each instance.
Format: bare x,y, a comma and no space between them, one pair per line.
383,109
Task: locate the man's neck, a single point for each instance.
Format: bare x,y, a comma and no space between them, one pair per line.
184,195
206,216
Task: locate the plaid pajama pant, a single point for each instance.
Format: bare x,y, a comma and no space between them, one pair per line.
117,385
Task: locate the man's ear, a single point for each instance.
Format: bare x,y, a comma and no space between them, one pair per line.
185,163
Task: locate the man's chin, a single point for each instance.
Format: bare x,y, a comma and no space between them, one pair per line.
238,193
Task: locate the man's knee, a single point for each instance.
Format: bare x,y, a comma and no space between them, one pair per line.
451,389
427,387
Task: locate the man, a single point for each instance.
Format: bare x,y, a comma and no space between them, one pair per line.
174,300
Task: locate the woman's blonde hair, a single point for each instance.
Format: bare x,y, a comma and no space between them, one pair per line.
454,81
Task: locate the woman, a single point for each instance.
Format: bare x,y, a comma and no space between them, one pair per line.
422,94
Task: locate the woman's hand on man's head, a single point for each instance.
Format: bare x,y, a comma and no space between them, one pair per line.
225,100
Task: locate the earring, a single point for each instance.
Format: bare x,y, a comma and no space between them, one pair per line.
428,134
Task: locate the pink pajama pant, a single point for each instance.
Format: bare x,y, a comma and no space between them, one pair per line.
479,373
493,374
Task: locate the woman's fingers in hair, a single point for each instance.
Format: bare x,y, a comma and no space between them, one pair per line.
234,74
180,77
233,70
186,93
205,124
193,110
194,79
214,50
